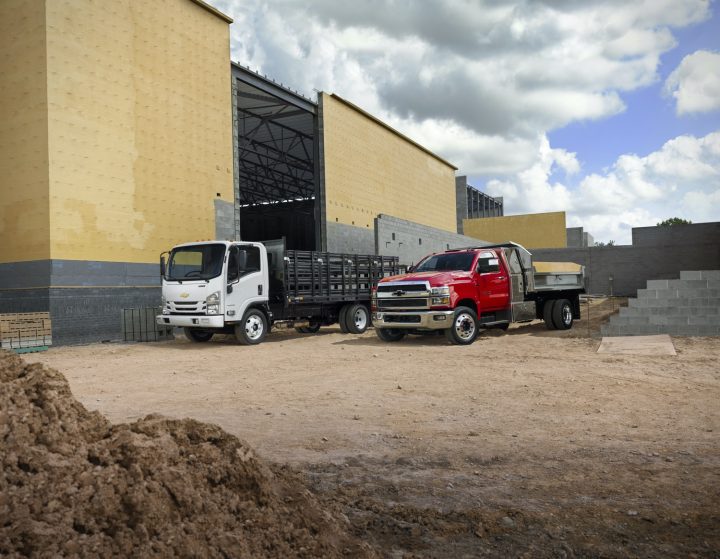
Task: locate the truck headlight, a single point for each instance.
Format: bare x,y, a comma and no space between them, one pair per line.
441,300
441,291
213,303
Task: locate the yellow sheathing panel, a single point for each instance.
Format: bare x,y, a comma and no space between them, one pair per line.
24,227
140,126
546,230
370,169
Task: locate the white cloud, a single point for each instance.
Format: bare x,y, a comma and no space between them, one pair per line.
695,83
681,179
495,74
481,83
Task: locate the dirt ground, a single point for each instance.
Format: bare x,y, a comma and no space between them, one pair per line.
526,443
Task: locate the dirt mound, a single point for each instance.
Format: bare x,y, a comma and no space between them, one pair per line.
71,483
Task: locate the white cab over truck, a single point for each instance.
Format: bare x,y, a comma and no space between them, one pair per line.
243,288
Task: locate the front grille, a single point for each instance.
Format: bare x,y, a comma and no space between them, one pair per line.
409,287
402,318
403,303
186,307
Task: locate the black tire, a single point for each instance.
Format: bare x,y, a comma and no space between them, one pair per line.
253,327
198,336
310,329
562,315
547,314
390,334
464,328
357,319
341,318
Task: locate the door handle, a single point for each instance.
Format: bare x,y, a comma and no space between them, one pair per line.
501,277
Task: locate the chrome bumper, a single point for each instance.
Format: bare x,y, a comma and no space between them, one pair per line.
424,320
199,320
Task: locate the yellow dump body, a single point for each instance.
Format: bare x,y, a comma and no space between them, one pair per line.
556,267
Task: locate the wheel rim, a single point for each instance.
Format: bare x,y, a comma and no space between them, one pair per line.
360,319
464,326
566,314
254,327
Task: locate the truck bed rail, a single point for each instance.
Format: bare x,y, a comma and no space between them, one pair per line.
310,276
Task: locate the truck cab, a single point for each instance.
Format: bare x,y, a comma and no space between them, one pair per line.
209,287
460,291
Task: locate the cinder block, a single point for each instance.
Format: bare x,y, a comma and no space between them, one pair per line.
668,293
677,319
647,293
710,274
658,284
683,330
658,319
703,320
690,275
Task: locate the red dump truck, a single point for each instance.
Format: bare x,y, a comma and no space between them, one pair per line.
463,290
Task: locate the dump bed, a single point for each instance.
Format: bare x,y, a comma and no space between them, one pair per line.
558,276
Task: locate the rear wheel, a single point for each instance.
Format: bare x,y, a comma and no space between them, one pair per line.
252,329
547,314
464,328
562,314
357,319
390,334
341,318
198,336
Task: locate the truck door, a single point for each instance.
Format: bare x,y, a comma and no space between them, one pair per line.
492,282
244,279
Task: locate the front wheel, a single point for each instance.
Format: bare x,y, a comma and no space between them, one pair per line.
464,328
390,334
197,336
562,315
252,329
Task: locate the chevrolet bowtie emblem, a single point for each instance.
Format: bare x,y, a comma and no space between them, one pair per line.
184,295
399,293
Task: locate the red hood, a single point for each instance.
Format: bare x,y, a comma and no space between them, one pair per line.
436,279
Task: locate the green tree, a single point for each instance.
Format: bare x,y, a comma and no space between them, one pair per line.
674,221
608,244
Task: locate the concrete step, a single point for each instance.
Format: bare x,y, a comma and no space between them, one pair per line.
700,310
650,329
683,284
700,274
674,292
678,302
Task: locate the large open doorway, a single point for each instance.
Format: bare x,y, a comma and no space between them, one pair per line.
276,165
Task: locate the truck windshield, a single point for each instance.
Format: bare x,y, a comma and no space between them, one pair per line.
458,261
199,262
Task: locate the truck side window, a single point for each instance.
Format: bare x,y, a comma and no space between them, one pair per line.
487,262
233,272
251,261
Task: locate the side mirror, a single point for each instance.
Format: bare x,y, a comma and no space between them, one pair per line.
242,260
162,265
410,269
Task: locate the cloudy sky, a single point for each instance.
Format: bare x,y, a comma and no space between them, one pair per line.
609,110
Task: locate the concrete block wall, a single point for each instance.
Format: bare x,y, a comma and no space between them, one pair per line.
85,299
412,241
350,239
661,253
689,306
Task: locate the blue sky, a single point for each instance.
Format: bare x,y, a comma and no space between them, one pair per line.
650,118
606,109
